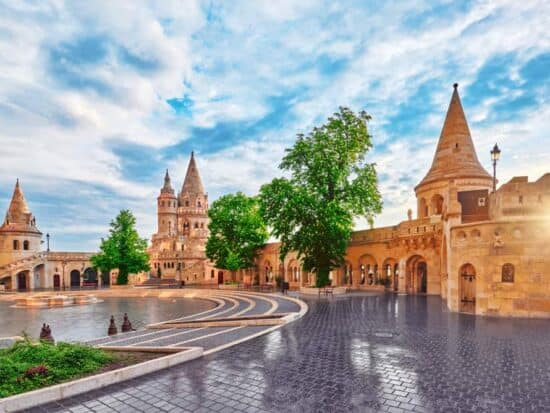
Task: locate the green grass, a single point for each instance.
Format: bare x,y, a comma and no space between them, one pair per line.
28,366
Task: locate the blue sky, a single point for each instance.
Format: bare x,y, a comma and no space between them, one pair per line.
98,98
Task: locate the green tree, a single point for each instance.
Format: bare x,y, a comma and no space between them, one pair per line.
237,230
123,249
329,184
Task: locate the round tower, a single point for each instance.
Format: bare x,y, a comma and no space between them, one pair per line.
167,209
19,236
455,165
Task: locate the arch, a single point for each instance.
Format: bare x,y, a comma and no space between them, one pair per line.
220,277
390,270
437,204
422,208
268,271
75,278
56,282
347,273
368,269
417,275
39,276
90,276
23,281
6,282
467,293
294,270
26,245
212,273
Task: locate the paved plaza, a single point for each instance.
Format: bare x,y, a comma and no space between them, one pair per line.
357,353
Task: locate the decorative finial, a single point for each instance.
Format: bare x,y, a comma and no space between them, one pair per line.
192,154
455,85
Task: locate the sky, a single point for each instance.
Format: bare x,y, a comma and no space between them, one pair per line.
98,98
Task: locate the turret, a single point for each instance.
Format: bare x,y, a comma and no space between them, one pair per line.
193,201
167,208
455,162
19,235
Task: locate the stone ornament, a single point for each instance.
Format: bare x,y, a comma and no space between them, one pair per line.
112,327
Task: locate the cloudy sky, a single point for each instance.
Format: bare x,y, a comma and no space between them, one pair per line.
97,98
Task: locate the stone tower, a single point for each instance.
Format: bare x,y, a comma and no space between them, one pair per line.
455,165
193,202
178,247
167,209
19,236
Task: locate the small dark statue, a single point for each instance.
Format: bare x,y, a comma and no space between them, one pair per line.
46,333
112,327
126,324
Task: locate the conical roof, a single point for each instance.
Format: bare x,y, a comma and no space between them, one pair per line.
18,216
167,188
455,156
192,183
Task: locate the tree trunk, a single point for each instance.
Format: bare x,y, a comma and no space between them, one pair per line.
321,279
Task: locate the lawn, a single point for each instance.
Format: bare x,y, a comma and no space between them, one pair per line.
28,365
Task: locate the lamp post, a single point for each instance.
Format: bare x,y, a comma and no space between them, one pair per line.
48,242
495,156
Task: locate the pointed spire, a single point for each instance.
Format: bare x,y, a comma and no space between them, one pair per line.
167,188
18,216
455,156
192,183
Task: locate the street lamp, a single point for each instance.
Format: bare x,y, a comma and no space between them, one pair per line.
495,156
48,242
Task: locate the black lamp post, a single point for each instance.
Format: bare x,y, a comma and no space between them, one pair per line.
48,242
495,156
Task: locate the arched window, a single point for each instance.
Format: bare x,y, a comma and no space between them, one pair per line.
212,274
15,244
202,224
508,272
25,245
199,204
196,224
186,203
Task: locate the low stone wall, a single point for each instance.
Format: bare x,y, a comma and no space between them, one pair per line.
315,291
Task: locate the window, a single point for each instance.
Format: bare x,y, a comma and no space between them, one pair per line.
481,202
508,272
199,204
212,274
187,203
196,224
15,244
520,199
25,245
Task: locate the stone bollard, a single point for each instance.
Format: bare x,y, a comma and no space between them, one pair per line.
112,327
46,333
126,324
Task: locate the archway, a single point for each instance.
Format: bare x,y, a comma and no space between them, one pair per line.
39,275
75,278
23,280
56,281
6,282
417,275
437,204
390,272
467,274
268,271
294,271
89,277
220,277
368,270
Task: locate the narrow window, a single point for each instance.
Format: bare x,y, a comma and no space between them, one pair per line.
15,244
25,245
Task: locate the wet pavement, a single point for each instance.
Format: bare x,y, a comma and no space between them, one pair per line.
85,322
358,353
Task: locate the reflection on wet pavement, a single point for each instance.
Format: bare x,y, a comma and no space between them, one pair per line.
336,359
89,321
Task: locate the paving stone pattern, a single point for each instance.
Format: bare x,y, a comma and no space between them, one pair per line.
359,353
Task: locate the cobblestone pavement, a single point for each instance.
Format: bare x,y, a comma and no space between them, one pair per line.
358,353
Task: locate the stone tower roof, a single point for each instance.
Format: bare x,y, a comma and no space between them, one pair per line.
19,217
455,156
192,183
167,188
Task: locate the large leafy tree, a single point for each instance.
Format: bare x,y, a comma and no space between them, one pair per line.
329,183
123,249
237,230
